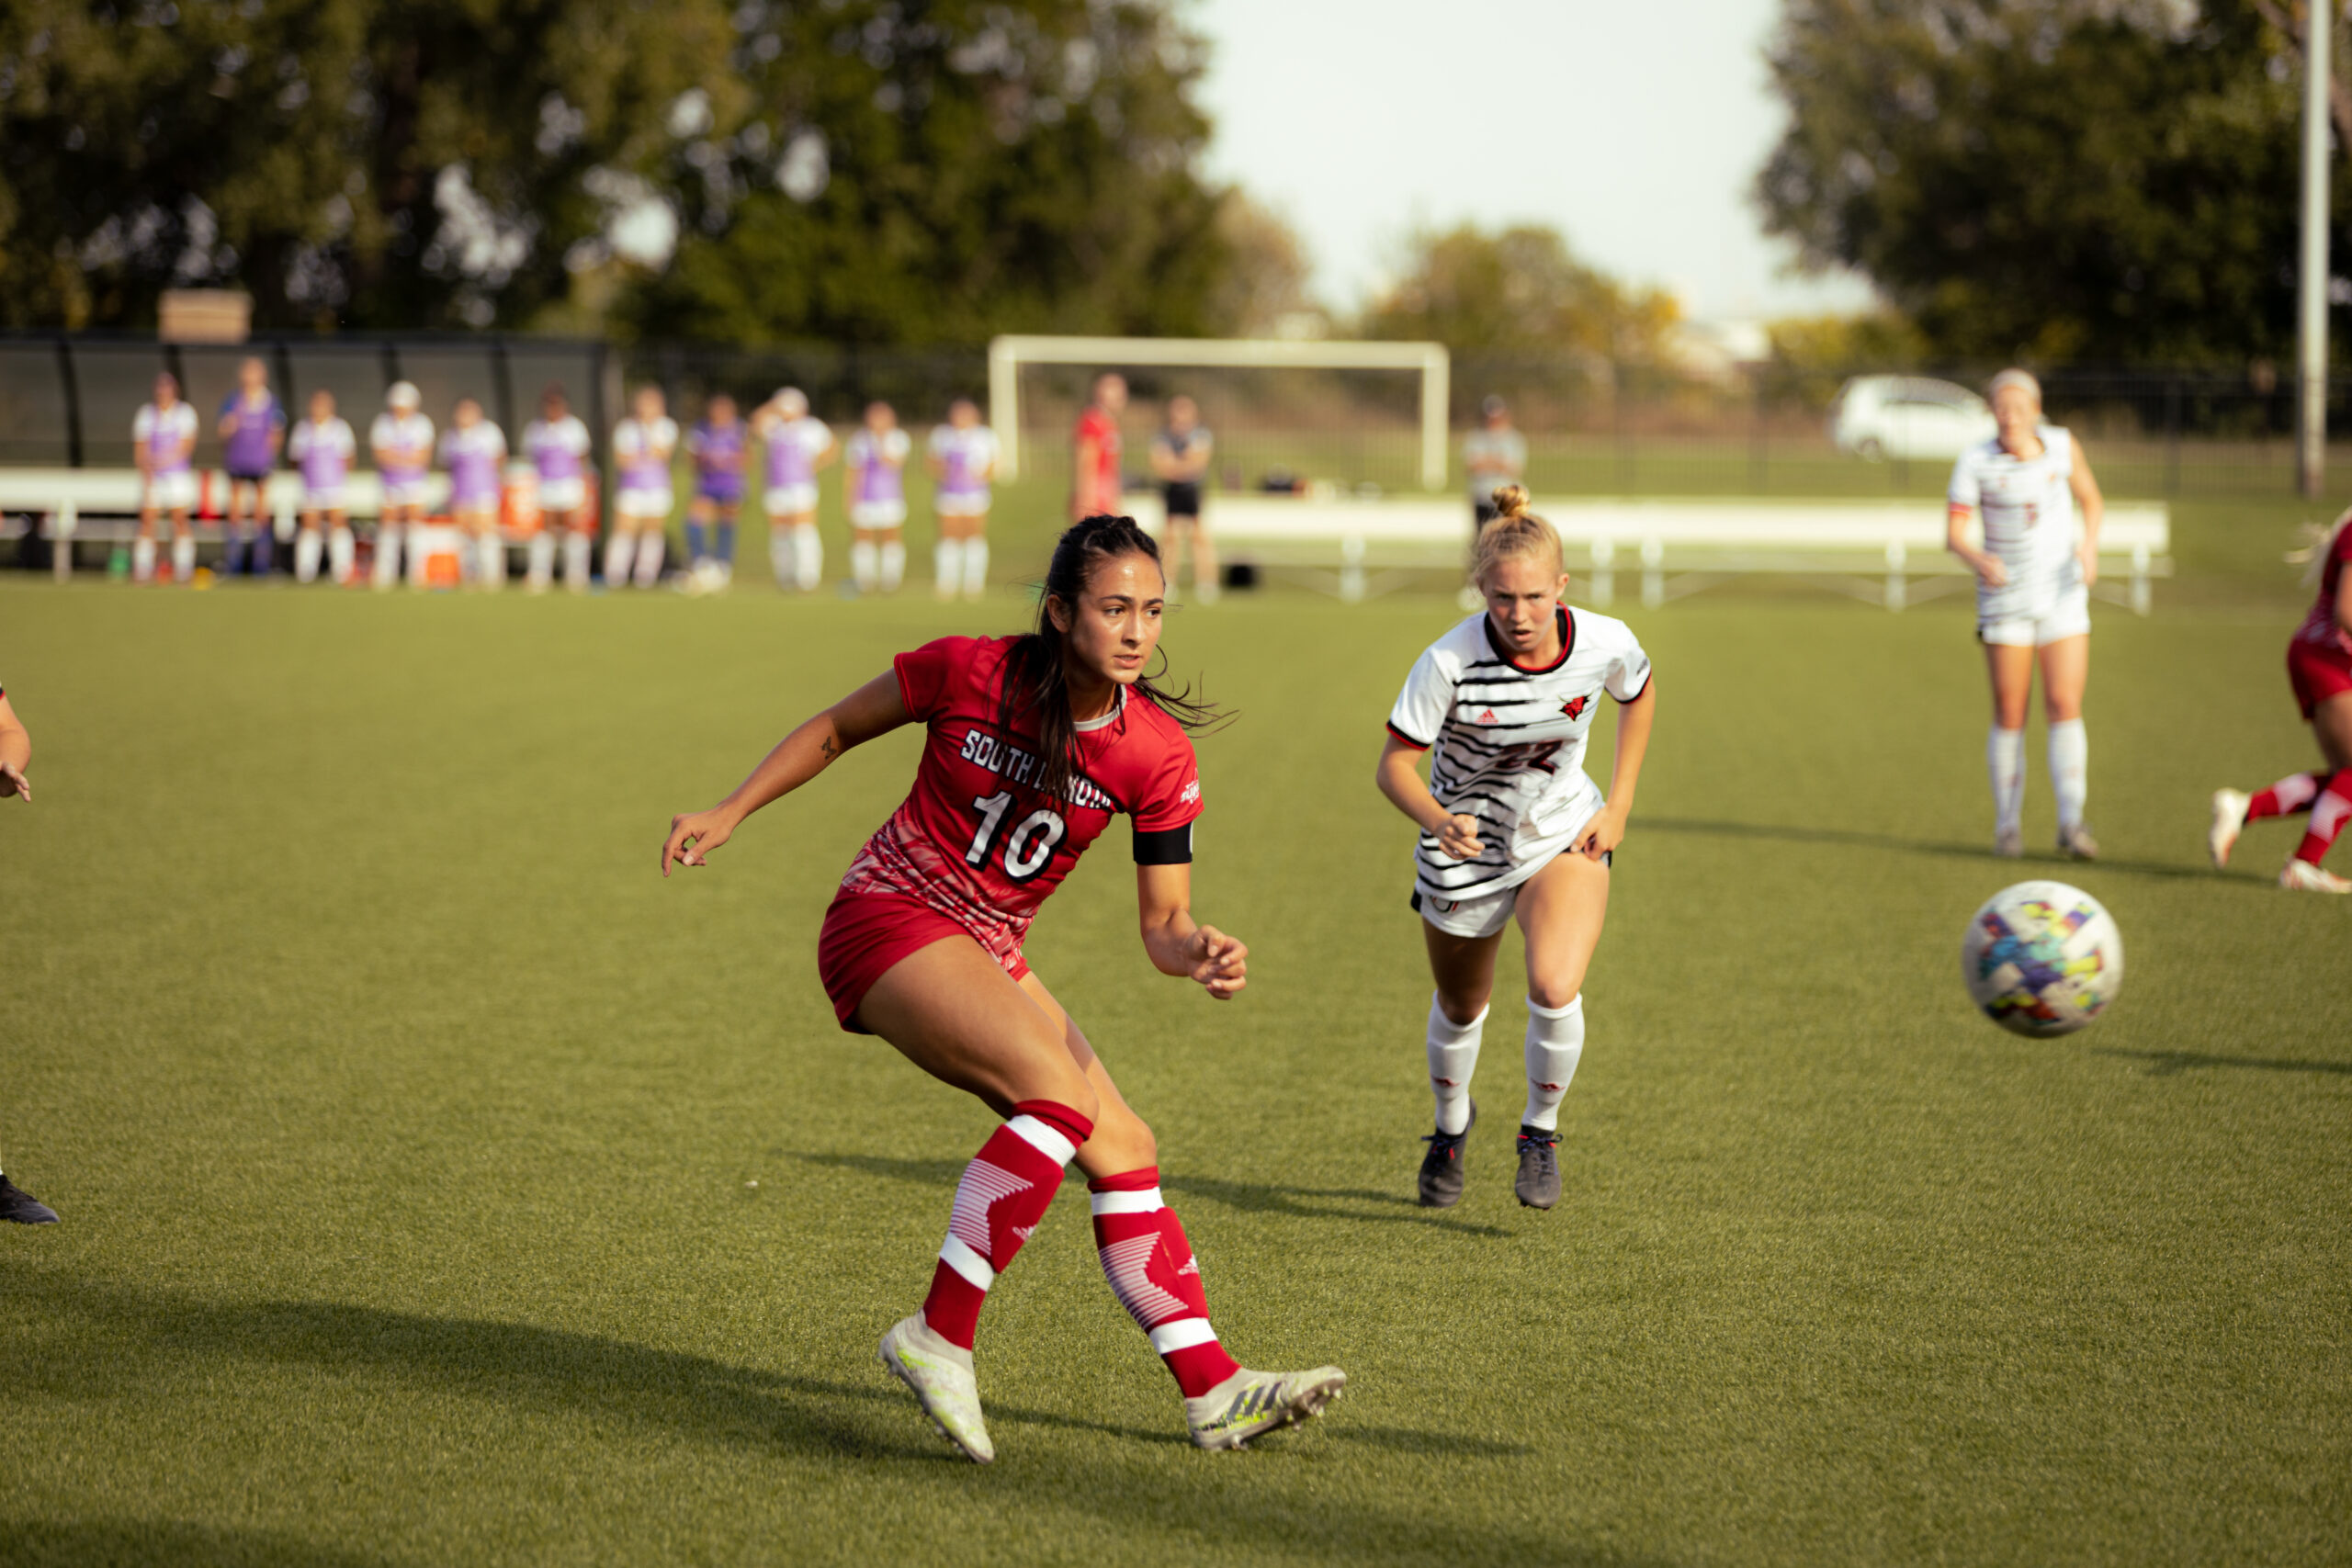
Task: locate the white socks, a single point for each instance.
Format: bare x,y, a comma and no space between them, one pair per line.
620,552
1454,1057
2005,760
808,556
2070,760
343,554
579,551
184,558
651,548
142,560
1554,1042
388,554
308,546
976,566
894,565
947,567
538,559
490,561
864,565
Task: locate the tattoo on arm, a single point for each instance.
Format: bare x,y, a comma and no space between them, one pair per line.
827,750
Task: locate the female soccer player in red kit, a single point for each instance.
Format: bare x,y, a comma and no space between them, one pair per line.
1035,742
2319,666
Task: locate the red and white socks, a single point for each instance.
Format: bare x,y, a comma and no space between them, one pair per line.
2292,793
1554,1044
1454,1057
2328,798
1004,1193
1154,1274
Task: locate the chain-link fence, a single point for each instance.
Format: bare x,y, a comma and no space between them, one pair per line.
1592,426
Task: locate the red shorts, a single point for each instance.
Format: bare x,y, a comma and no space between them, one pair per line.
866,934
2317,671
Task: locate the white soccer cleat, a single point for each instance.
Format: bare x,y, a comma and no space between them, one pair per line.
940,1376
1249,1403
2008,843
2229,821
2304,876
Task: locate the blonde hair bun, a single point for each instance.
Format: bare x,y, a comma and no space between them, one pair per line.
1511,502
1514,532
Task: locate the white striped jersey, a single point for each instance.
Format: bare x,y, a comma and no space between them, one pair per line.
2029,513
1509,743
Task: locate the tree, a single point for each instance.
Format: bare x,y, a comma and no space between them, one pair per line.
2095,180
1519,291
420,163
1266,290
943,172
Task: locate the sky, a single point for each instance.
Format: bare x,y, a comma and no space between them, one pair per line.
1633,129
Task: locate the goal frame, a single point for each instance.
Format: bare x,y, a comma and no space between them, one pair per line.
1007,354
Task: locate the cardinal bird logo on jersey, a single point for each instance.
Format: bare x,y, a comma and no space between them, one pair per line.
1574,708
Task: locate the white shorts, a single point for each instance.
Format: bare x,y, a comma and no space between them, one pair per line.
329,500
169,493
561,495
2066,614
879,513
406,492
791,501
648,504
952,503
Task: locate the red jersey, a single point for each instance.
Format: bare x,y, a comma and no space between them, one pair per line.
1097,490
976,840
2319,626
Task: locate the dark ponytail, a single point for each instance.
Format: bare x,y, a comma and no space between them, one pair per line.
1034,682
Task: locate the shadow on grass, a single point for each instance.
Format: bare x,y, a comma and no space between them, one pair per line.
1847,838
84,1543
2166,1063
1251,1197
104,1341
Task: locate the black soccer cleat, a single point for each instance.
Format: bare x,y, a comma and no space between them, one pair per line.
22,1207
1539,1168
1442,1166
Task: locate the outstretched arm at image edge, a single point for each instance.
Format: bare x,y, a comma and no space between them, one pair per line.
1177,944
875,708
15,753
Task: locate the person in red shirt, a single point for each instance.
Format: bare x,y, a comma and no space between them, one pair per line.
1095,483
1035,742
2319,668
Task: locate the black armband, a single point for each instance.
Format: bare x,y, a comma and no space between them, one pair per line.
1167,846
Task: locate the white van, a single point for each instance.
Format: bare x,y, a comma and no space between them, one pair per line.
1876,417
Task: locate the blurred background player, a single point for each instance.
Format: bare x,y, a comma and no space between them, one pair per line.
323,449
163,440
1095,480
963,460
401,441
719,446
798,445
1503,703
1180,461
253,429
922,946
16,756
2033,584
1493,455
876,459
2319,668
473,452
557,446
642,447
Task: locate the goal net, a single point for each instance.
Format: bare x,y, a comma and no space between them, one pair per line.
1363,418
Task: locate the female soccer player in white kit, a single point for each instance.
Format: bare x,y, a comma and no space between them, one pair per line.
473,454
641,447
876,456
963,460
402,443
799,443
323,448
163,439
1509,823
2033,580
557,444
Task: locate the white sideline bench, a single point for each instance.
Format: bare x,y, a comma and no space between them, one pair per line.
102,504
1873,549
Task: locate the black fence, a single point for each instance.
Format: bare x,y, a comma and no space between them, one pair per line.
1592,426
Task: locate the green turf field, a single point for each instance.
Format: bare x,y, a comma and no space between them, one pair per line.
406,1124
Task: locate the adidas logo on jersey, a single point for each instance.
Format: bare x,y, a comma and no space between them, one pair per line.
1485,716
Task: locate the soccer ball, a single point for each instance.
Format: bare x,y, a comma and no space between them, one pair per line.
2042,958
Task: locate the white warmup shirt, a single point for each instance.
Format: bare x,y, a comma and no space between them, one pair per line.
2029,515
1509,744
